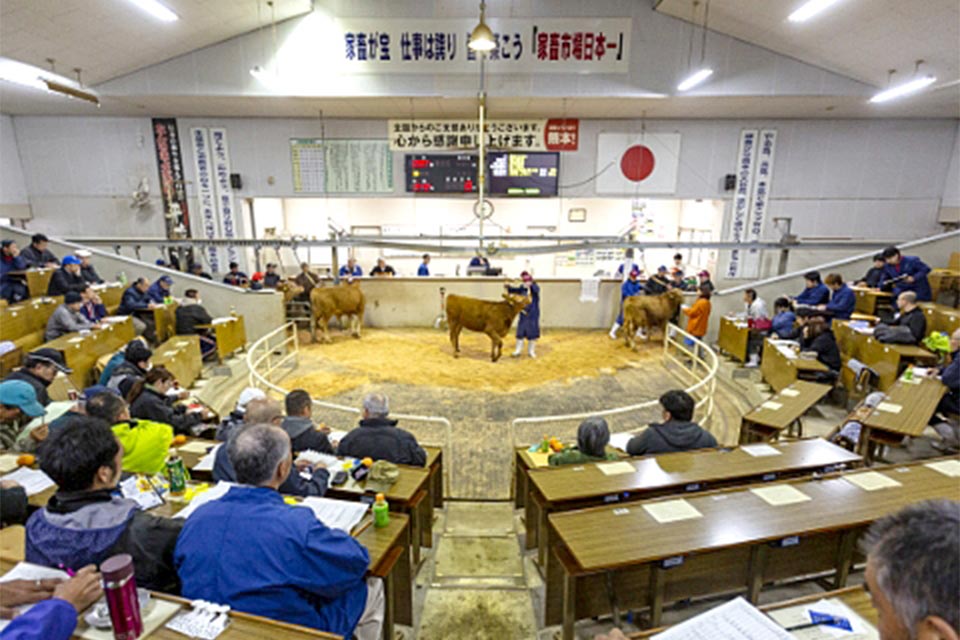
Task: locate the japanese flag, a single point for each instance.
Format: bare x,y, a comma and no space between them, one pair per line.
637,164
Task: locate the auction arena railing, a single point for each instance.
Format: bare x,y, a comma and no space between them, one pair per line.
277,354
694,361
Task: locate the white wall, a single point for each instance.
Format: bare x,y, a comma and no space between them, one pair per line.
13,190
951,189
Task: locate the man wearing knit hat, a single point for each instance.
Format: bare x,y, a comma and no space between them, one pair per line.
67,318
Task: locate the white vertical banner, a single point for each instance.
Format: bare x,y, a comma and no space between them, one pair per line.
766,147
746,158
208,211
226,211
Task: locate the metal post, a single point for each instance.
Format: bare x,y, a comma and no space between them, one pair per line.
482,158
335,261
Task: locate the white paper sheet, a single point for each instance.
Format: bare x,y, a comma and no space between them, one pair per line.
790,393
889,407
800,614
780,494
27,571
206,462
335,437
616,468
771,405
195,446
735,620
336,514
946,467
672,511
871,481
620,440
215,492
33,481
787,352
331,462
761,450
50,413
145,497
8,462
589,289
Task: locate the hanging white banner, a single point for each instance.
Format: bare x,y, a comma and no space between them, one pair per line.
208,212
766,146
226,210
746,157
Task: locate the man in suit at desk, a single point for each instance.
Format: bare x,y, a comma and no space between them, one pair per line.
678,432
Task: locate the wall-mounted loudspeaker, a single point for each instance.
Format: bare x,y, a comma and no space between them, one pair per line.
235,181
729,182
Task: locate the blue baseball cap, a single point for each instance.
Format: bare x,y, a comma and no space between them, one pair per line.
97,389
70,260
19,394
166,279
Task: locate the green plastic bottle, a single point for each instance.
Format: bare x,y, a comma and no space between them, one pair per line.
381,512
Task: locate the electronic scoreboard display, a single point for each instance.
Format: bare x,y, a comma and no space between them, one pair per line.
523,174
508,173
441,173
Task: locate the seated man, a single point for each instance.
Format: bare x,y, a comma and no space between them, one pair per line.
13,288
911,317
784,319
135,364
755,308
676,432
235,418
382,269
145,443
907,273
84,523
92,308
299,425
593,436
479,261
197,269
67,318
67,278
87,270
159,291
136,303
39,369
191,313
874,278
913,571
814,292
236,277
842,301
38,255
18,406
304,480
154,398
351,269
253,552
271,278
379,438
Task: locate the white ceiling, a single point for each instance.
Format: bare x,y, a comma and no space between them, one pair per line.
109,38
861,39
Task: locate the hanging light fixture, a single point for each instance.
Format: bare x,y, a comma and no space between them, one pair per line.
907,88
701,73
481,38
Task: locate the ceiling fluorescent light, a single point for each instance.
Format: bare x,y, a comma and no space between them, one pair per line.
696,78
37,78
71,92
156,9
904,89
810,9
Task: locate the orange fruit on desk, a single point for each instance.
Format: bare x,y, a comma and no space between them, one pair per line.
179,440
367,462
26,460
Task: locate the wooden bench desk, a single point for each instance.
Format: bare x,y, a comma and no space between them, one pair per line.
739,543
733,337
944,280
110,295
780,371
164,319
27,317
765,422
889,360
181,356
916,401
867,299
230,333
81,352
940,317
580,486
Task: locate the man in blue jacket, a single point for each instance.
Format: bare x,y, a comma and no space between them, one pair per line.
134,303
909,273
842,300
12,288
259,555
159,291
815,292
424,269
630,287
351,269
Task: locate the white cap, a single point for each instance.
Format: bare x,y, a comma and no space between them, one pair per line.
83,253
248,394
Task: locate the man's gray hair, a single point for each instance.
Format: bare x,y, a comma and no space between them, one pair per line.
910,297
377,405
263,411
916,555
255,451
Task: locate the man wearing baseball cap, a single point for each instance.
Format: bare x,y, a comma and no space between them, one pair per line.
17,400
37,254
67,318
271,278
67,278
39,369
86,269
159,291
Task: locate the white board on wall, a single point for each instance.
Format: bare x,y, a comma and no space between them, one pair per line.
637,164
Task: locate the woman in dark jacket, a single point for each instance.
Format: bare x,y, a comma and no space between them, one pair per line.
819,340
149,401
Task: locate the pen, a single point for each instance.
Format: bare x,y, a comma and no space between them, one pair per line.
70,572
810,625
152,486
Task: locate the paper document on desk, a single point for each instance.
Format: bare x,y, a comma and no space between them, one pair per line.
780,494
50,413
616,468
949,468
889,407
761,450
336,514
195,446
871,481
221,320
672,511
31,572
8,462
206,462
787,352
735,620
790,393
33,481
335,437
771,405
801,614
114,319
620,440
215,492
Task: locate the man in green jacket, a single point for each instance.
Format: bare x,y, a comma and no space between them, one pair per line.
145,443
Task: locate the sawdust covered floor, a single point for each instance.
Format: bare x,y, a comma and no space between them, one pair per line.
575,371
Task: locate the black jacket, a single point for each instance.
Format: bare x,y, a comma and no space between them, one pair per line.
13,506
380,439
304,435
915,321
124,375
150,405
189,316
655,285
669,437
825,346
89,274
874,279
39,384
63,281
36,258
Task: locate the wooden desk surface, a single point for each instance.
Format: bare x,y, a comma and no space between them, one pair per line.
737,517
918,401
780,371
733,338
690,467
793,406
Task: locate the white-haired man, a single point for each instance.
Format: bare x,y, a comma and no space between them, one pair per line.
379,438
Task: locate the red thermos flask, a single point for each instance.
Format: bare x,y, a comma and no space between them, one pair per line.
120,587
